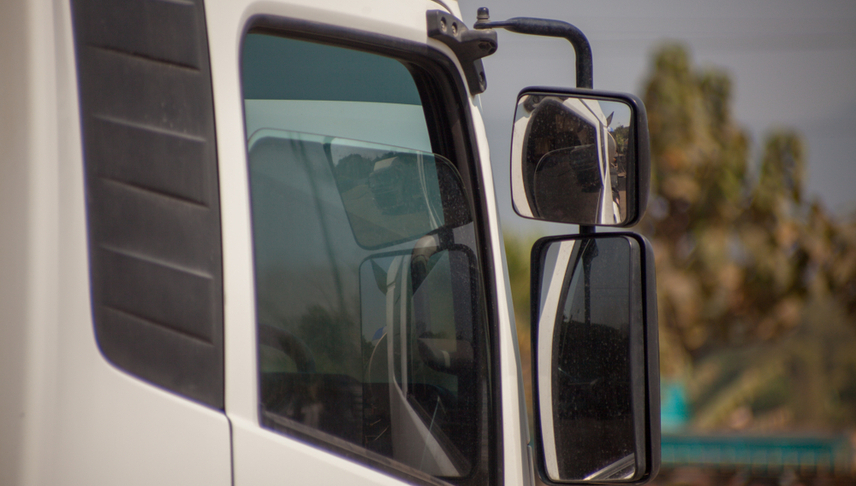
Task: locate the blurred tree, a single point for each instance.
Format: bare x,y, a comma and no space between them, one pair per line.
750,276
756,285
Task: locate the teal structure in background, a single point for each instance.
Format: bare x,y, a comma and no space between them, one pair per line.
761,453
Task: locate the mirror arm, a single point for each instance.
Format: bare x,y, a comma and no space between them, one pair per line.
548,28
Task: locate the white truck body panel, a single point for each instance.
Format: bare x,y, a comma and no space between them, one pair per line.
68,415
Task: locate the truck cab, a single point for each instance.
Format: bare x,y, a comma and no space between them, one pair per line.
257,242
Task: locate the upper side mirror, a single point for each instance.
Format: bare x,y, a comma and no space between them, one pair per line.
580,156
595,359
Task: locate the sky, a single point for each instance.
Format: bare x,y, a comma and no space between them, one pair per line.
792,65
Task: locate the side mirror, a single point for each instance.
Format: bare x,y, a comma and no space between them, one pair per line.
580,156
595,359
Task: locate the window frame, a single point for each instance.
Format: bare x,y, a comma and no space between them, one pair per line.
445,99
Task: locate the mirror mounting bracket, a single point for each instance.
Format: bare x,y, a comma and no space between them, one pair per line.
469,45
548,28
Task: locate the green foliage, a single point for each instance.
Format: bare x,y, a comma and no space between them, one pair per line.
517,259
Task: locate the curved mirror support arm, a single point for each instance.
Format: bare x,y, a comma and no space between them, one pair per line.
548,28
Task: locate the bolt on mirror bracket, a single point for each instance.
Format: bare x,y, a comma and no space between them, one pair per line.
469,45
548,28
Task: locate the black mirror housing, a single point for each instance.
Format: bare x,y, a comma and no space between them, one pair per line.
580,156
595,359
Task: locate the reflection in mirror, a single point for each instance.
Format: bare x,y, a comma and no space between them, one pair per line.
586,367
390,194
376,355
371,318
419,359
573,159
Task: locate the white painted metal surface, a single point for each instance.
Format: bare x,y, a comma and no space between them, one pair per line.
70,417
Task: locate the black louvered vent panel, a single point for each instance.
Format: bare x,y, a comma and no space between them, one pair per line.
152,194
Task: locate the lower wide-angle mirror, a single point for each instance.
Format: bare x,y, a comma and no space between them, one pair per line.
580,157
595,358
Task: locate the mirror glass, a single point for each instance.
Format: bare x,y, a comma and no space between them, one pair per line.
591,425
572,159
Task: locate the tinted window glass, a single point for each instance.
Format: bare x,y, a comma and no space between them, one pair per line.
371,332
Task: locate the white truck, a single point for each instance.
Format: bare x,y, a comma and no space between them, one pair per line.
256,242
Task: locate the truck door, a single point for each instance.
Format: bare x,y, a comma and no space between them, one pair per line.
372,334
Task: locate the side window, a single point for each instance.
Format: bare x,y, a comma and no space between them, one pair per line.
370,315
